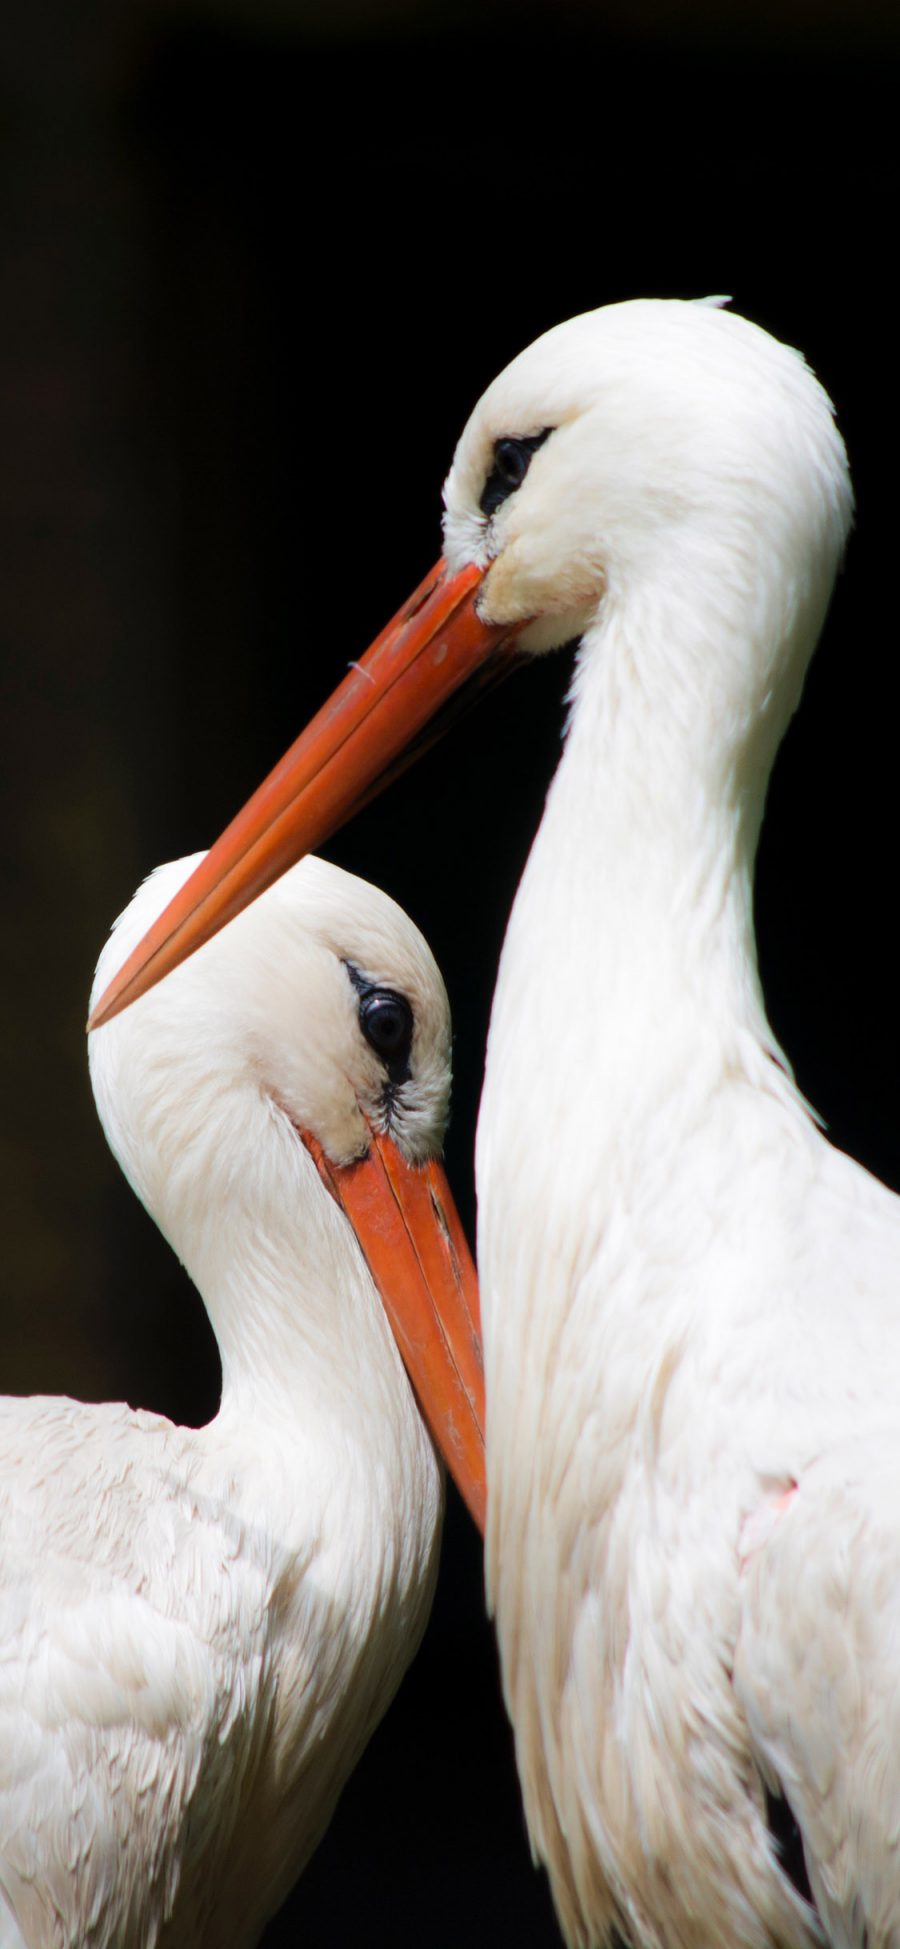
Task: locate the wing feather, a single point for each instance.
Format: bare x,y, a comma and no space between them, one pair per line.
132,1662
816,1673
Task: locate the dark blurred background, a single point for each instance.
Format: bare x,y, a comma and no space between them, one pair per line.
259,261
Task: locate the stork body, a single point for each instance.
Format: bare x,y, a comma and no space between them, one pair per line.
693,1369
199,1639
692,1317
201,1628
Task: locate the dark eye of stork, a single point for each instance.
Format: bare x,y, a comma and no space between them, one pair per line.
386,1021
512,459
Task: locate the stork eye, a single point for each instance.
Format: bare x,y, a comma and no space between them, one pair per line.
511,462
387,1024
512,459
386,1021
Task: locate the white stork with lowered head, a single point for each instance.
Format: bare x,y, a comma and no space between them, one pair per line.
692,1316
201,1628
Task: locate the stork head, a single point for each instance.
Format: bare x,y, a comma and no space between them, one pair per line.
302,1060
323,997
657,453
632,449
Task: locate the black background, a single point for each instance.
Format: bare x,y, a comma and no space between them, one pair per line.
259,265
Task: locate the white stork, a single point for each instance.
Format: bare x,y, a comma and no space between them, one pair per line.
691,1300
200,1629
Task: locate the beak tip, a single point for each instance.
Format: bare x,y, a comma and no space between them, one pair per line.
111,1002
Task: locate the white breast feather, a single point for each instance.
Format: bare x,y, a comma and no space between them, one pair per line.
176,1688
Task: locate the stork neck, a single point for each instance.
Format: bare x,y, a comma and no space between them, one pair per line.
676,718
302,1335
631,948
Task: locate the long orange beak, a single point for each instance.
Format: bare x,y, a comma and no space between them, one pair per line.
376,722
416,1251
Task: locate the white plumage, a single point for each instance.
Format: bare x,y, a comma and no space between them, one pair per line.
692,1327
692,1318
200,1629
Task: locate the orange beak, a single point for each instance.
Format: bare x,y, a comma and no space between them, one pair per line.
415,1247
373,726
